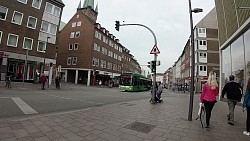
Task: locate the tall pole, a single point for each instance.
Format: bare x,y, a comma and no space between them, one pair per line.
155,59
192,65
25,65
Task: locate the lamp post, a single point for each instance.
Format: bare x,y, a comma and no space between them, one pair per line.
196,10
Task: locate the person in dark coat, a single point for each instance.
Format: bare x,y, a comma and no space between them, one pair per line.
231,89
43,80
57,80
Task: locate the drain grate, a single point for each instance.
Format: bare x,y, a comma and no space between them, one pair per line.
140,127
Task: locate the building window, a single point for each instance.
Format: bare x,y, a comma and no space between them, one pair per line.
37,3
202,42
74,60
45,26
3,13
53,29
76,47
52,9
95,46
74,24
27,43
77,16
70,46
79,23
104,64
203,68
69,61
41,46
202,30
32,22
23,1
99,36
12,40
96,34
93,61
17,18
1,33
203,55
77,34
72,34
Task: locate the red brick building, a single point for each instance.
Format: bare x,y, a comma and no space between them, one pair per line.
88,53
28,33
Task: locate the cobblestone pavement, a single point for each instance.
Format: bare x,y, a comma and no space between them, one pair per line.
128,121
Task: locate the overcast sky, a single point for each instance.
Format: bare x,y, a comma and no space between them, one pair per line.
169,20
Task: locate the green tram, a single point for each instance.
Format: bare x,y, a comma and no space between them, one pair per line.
134,82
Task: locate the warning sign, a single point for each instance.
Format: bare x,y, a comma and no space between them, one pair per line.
155,50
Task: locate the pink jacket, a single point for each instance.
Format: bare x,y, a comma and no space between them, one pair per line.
208,94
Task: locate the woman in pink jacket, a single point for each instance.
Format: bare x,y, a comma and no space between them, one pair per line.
208,97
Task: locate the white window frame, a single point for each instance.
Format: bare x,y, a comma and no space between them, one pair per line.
9,38
29,20
24,39
203,55
53,9
73,24
42,26
93,61
202,68
39,4
74,60
77,35
79,23
72,34
22,1
44,48
201,42
1,34
5,13
71,47
69,60
13,18
76,48
202,30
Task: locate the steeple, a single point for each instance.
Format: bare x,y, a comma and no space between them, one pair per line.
79,6
88,3
96,8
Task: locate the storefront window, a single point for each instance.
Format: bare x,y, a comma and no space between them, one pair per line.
247,53
238,65
226,65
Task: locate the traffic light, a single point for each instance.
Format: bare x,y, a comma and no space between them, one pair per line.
117,25
153,66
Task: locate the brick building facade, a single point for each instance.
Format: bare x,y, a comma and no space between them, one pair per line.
88,53
28,34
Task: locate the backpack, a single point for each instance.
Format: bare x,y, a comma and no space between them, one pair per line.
238,93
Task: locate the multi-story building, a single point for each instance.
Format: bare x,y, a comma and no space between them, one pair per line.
28,36
234,36
88,52
206,54
206,49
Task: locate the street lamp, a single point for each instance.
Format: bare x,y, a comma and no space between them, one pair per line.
195,10
25,65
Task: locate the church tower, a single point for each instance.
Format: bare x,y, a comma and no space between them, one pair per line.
88,9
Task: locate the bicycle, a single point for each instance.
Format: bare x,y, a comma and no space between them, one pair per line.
201,114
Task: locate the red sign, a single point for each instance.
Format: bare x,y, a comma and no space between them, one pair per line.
155,50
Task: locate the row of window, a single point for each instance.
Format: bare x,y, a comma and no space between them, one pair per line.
75,34
71,60
107,41
73,46
107,52
74,24
17,18
49,8
104,64
27,42
203,68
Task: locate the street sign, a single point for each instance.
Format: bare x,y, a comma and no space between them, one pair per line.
155,50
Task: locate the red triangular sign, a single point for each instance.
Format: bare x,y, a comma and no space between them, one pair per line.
155,50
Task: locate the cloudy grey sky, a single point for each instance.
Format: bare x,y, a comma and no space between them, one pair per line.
169,20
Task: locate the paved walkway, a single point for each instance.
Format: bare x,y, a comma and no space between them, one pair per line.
165,121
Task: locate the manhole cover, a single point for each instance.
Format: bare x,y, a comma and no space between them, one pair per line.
140,127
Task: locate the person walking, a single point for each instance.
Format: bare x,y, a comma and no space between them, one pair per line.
57,81
43,80
208,96
246,107
232,90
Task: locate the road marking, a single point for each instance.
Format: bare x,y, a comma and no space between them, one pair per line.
23,106
69,98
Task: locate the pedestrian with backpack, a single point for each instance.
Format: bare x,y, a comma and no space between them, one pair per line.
246,107
233,90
